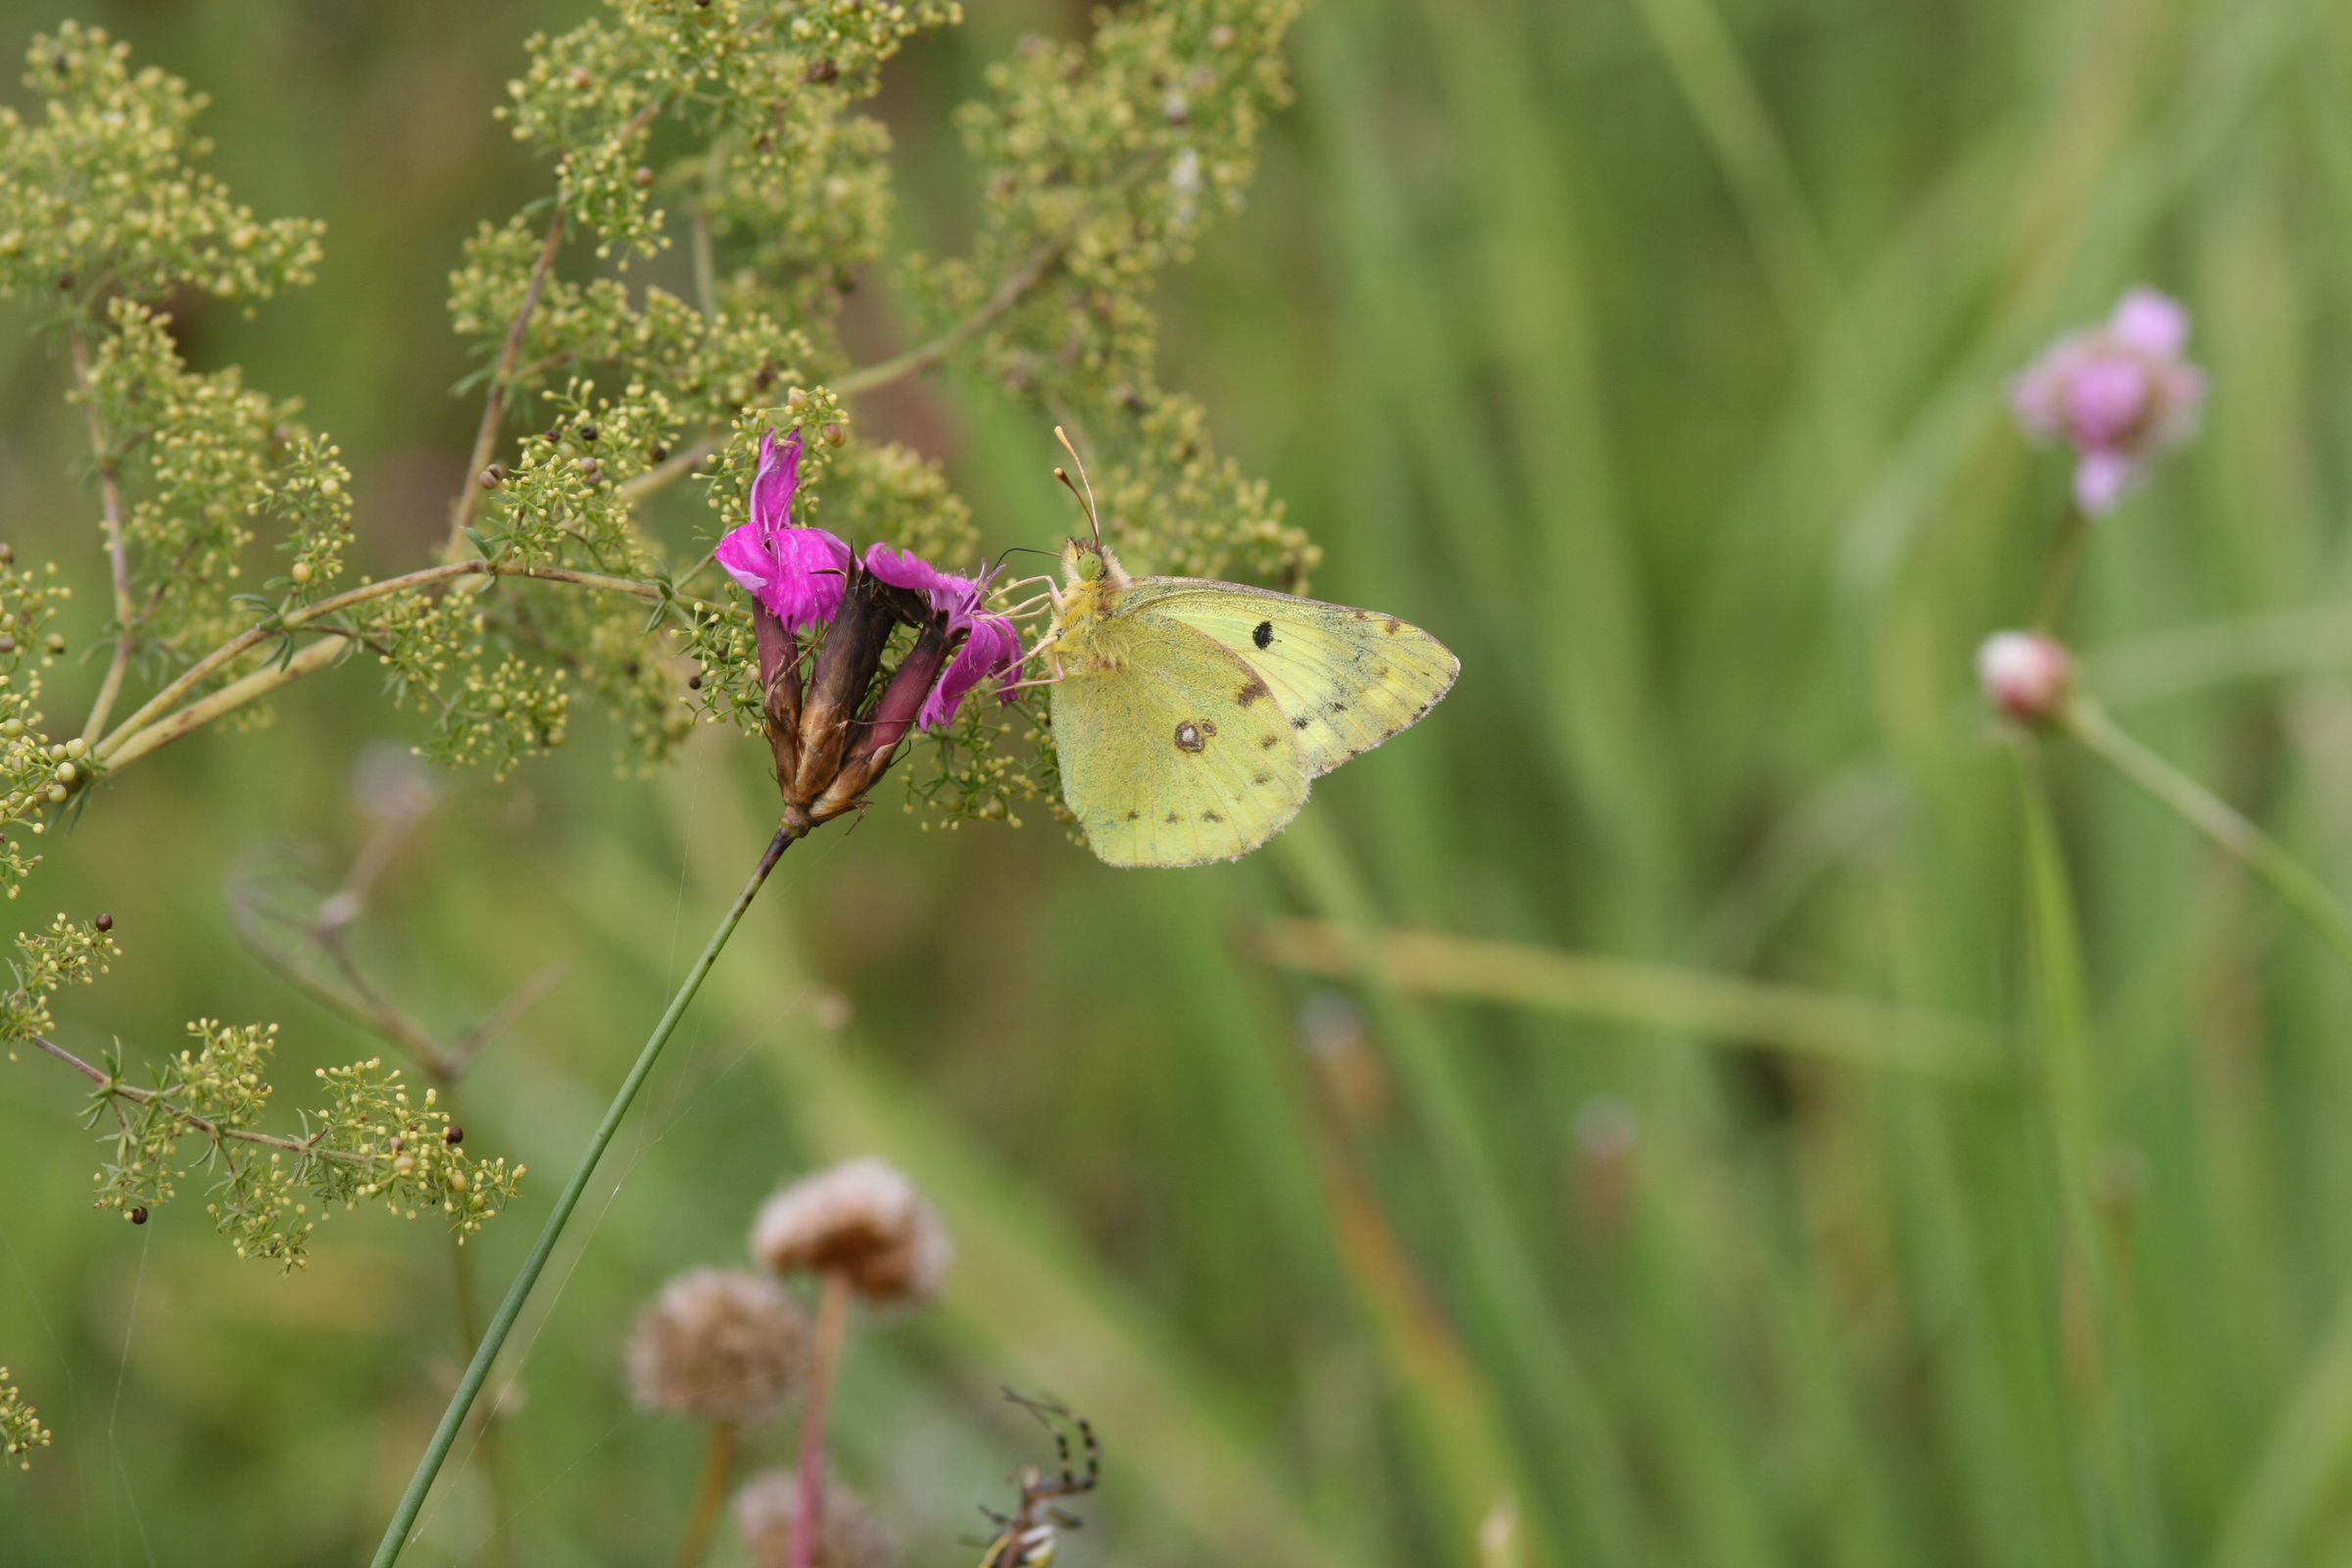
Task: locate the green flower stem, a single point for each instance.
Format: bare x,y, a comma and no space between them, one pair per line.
2065,565
2303,892
502,1323
702,1522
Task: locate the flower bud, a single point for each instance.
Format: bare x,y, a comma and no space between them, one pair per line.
2025,674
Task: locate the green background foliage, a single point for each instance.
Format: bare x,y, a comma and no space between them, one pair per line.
1650,353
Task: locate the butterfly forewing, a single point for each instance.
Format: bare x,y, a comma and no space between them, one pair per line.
1347,680
1169,754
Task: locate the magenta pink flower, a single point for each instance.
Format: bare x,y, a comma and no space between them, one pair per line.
796,574
2121,394
990,647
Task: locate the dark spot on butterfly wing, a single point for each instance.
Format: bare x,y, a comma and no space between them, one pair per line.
1134,817
1188,737
1298,723
1173,818
1264,637
1210,816
1266,743
1253,691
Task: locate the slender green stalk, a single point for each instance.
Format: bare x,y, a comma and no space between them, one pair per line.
502,1323
2065,565
2303,892
702,1521
2102,1373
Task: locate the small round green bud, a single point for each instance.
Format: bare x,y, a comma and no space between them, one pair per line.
301,571
68,774
57,797
55,642
76,747
835,435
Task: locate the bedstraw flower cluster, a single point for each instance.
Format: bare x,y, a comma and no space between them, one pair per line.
69,952
20,1429
101,189
200,1114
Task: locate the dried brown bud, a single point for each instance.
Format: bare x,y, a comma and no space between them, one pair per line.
718,1345
104,923
864,1218
820,72
492,477
454,1134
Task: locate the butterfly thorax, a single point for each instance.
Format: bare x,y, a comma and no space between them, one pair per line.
1088,600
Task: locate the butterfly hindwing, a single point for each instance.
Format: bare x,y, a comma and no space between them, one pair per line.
1346,678
1172,752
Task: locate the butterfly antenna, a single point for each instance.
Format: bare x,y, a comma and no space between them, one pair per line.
1093,519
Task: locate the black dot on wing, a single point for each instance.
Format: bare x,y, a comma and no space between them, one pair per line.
1210,816
1264,635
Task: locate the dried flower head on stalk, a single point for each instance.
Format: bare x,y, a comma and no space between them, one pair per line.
718,1345
863,1219
849,1536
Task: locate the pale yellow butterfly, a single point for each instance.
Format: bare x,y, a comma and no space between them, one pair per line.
1190,715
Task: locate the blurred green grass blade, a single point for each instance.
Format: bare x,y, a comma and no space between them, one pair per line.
2303,1455
1592,1495
2107,1379
1311,1174
1713,1008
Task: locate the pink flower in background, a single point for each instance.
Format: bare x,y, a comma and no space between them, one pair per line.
796,574
2121,394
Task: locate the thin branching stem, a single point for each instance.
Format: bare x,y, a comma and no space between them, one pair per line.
502,1323
117,548
133,736
494,402
115,1088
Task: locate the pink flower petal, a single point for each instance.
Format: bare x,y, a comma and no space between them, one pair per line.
2100,480
2152,323
776,482
2105,397
992,650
